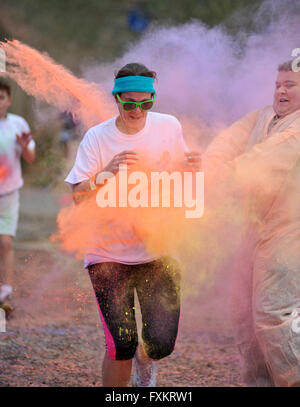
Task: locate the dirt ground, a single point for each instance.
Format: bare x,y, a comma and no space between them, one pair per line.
55,337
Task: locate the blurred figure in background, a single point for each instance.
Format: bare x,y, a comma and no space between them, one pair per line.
260,156
15,141
137,17
67,132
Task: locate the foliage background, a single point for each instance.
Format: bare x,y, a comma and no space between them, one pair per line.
73,31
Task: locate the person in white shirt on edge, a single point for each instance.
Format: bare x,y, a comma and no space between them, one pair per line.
15,141
121,262
257,160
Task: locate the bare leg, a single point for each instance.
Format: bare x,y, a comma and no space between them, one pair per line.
6,259
142,355
116,373
144,374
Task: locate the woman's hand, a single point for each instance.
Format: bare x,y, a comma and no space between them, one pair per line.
193,160
125,157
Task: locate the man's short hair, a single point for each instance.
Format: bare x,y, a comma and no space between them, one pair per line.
5,86
287,66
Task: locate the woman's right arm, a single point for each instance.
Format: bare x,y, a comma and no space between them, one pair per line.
86,188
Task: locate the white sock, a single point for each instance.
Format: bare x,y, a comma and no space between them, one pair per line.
5,291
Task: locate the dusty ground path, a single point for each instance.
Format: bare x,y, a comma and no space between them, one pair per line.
55,338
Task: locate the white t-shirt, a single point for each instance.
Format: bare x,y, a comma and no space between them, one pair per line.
10,152
161,135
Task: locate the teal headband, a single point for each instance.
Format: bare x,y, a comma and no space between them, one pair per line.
134,84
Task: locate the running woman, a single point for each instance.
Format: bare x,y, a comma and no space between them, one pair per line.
117,268
15,141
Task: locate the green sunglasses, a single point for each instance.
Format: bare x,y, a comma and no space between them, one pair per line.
131,106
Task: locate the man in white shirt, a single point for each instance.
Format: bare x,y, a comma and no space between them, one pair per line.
15,141
259,157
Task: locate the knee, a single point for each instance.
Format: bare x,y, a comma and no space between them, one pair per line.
159,348
124,350
263,316
6,243
268,317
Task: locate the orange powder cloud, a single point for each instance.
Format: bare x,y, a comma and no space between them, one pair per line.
84,225
44,79
79,227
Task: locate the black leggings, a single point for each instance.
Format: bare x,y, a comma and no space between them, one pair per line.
158,288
